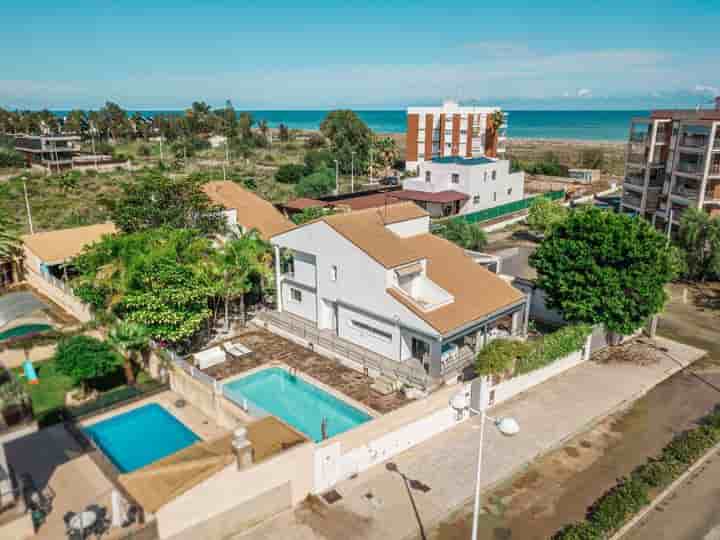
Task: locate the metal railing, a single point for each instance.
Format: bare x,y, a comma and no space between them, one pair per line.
363,357
689,167
244,403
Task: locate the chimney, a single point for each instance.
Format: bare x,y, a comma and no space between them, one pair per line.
242,448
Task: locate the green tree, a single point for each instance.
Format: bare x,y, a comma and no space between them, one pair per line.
129,339
600,267
317,184
154,201
545,214
385,153
317,159
700,239
10,244
464,234
76,122
347,133
290,173
85,359
310,214
245,124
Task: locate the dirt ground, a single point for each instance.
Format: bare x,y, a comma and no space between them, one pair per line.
559,487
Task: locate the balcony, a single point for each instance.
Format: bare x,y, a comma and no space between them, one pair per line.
631,199
715,168
635,180
689,167
686,191
694,141
638,137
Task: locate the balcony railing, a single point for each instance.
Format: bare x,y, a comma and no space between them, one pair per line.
697,141
638,137
686,192
714,169
635,179
689,167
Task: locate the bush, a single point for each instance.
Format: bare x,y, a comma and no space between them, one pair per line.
316,160
316,140
85,359
499,356
466,235
611,511
11,158
316,185
144,150
290,173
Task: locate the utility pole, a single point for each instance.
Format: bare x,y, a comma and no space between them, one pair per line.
27,207
352,171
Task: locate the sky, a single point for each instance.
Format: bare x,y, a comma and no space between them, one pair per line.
390,54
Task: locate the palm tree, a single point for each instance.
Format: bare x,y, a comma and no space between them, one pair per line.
700,238
129,339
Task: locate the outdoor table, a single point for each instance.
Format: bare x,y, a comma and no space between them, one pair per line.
83,521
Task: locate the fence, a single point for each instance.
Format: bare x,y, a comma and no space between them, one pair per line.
508,208
342,348
197,374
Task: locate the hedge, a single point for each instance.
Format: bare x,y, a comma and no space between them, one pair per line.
509,356
611,511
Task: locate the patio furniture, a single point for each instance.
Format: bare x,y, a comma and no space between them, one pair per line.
236,350
83,522
102,522
209,357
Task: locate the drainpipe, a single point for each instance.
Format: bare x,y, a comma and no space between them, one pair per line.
278,280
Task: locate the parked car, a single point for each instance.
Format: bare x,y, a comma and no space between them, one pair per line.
389,181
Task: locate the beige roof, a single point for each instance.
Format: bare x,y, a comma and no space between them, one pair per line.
54,247
159,483
366,229
253,212
477,291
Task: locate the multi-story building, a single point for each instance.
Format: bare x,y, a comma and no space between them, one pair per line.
378,283
458,185
673,163
53,152
452,130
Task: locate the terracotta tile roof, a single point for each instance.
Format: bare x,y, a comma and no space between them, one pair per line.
711,115
253,212
477,291
376,200
303,202
425,196
366,229
54,247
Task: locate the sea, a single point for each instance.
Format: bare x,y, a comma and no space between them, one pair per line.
580,125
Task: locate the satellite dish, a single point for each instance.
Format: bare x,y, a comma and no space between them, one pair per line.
508,426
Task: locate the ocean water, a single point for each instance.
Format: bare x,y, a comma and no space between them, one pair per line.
583,125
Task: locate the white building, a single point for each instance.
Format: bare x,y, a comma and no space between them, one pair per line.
216,141
452,130
379,280
454,185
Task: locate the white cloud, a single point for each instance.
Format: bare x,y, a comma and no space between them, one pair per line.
584,92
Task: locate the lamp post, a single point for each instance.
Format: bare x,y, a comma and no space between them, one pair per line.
337,176
352,171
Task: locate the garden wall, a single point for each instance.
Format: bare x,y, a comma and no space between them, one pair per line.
70,303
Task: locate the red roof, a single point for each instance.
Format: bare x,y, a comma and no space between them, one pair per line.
303,202
424,196
375,200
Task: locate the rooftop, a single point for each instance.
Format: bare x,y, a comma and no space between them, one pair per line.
437,197
253,212
303,202
55,247
710,115
459,160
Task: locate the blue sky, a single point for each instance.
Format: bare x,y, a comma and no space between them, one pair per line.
562,54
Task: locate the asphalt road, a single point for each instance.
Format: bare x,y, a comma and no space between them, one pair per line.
692,512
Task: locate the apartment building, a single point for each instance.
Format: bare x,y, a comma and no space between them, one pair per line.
53,152
377,279
452,130
457,185
673,163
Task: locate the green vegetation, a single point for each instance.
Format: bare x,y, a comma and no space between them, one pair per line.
310,214
84,360
129,339
9,240
544,214
699,240
290,173
600,267
611,511
347,135
317,184
548,165
513,357
466,235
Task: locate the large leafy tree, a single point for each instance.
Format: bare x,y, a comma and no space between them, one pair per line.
317,184
545,214
602,267
700,239
129,339
347,133
154,200
85,359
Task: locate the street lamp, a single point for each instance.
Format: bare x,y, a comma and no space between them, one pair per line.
337,176
506,426
352,171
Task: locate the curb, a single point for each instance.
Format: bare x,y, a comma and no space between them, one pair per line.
664,494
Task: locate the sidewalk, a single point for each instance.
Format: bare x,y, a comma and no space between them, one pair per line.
548,415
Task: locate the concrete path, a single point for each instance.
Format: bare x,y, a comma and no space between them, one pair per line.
384,504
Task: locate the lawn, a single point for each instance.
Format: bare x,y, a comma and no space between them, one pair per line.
48,396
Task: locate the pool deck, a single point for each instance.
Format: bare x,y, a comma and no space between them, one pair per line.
270,349
191,417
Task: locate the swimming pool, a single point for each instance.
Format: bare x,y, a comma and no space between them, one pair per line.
297,402
139,437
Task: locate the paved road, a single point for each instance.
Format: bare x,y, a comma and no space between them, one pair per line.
692,512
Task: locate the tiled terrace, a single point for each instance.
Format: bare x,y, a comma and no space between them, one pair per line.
268,347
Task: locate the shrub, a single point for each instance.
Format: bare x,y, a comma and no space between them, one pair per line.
316,160
290,173
612,509
499,356
466,235
552,347
144,150
657,473
578,531
11,158
316,185
316,140
85,359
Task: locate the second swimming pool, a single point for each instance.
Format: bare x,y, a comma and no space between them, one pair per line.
299,403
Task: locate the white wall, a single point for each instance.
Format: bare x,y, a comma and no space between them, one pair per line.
389,348
304,268
306,308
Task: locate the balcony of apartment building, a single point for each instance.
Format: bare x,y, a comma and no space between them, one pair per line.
635,179
690,165
686,188
712,193
714,170
632,199
694,139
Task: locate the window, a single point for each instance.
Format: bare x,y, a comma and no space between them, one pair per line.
428,176
476,199
373,332
494,175
485,176
295,295
333,273
455,178
509,191
495,196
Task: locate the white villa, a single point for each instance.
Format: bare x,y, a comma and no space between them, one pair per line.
377,279
455,185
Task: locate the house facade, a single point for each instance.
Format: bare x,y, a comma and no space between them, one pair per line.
379,280
456,185
53,152
452,130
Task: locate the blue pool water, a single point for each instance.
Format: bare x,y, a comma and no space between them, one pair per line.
141,436
300,404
